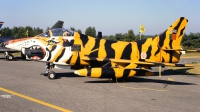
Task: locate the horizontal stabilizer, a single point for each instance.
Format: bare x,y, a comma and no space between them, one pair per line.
173,49
178,65
198,50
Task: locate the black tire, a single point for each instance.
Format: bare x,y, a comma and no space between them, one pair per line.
10,57
52,75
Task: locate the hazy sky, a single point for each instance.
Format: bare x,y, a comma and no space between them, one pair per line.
108,16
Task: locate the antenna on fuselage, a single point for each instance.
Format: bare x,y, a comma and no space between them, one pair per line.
99,35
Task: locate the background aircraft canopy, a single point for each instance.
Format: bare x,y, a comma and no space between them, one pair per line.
57,32
61,32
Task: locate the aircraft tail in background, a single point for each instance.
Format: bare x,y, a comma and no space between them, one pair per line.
1,24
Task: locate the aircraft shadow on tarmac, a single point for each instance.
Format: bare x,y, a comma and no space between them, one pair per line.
136,79
139,79
144,80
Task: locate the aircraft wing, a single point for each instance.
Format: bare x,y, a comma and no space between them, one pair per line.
128,64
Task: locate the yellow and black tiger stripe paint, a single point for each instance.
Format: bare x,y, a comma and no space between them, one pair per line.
152,47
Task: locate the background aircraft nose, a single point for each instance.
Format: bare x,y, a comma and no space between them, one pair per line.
6,43
4,40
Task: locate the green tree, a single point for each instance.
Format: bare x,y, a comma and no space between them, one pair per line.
29,31
191,41
37,31
130,36
111,37
48,28
90,31
6,31
137,37
73,29
15,32
20,32
119,36
79,31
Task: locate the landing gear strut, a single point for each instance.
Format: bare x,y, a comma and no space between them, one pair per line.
51,74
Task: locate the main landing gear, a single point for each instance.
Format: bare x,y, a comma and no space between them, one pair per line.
8,56
51,74
114,79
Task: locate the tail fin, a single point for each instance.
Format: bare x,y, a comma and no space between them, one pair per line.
1,24
172,37
58,24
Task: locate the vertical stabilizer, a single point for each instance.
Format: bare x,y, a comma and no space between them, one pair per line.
172,37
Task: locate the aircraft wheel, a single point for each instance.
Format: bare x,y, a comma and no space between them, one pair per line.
52,75
10,57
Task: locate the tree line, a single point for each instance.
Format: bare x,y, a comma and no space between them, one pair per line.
189,41
20,32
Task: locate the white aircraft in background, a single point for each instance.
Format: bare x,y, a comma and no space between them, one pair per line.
17,45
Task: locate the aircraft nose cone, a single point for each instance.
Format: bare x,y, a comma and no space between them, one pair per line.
6,44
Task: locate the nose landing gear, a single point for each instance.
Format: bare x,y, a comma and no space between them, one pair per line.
51,74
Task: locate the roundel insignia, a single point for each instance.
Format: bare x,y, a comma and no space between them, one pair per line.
143,55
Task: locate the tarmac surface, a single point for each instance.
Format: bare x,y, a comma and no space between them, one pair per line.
24,89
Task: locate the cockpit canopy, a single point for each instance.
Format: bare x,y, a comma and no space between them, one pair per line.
57,32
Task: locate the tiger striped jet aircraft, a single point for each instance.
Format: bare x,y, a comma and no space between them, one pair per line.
101,58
